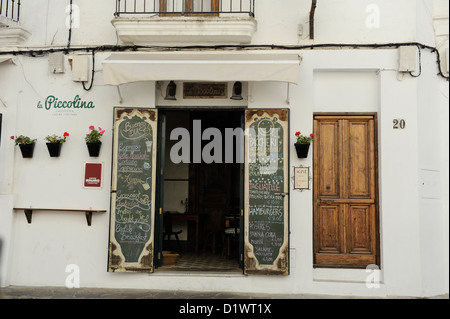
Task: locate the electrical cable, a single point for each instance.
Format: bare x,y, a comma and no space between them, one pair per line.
93,72
122,48
420,65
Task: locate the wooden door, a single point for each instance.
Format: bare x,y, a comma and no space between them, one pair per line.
191,7
131,239
159,191
266,207
345,191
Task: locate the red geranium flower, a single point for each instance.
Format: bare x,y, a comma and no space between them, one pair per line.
300,139
66,134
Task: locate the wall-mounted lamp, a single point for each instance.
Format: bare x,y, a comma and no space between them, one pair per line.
171,91
237,91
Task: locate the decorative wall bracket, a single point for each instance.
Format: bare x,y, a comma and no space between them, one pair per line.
88,212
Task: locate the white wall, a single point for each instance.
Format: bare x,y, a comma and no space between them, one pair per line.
336,21
432,178
53,240
333,80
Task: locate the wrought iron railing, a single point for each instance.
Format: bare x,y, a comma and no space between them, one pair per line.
10,9
185,7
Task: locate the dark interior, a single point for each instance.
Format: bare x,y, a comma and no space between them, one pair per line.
214,193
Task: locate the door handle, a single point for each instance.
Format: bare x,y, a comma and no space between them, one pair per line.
281,194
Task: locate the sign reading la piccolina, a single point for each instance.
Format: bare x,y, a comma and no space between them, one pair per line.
55,103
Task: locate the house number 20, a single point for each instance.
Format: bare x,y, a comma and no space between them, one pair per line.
399,124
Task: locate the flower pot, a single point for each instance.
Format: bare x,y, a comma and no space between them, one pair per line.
302,150
27,150
54,149
94,148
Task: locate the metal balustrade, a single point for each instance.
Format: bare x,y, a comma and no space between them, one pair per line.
185,7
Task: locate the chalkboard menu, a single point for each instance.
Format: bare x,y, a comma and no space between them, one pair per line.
132,200
266,192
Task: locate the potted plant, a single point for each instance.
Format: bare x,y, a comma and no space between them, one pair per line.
54,143
26,145
302,144
93,140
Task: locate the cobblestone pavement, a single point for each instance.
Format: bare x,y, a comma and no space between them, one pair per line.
15,292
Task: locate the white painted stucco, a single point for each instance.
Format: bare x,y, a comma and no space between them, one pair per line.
413,163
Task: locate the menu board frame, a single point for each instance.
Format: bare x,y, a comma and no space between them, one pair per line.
260,217
143,125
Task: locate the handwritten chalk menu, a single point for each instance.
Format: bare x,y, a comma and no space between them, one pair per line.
266,189
132,203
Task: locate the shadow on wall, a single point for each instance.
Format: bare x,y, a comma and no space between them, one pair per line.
1,293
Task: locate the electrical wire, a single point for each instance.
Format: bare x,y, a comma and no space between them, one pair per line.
123,48
92,76
420,64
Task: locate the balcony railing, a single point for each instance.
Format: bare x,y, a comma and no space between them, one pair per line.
10,9
185,7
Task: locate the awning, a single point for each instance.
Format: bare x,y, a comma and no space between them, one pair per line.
249,66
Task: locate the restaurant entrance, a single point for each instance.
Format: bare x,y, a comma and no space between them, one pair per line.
182,182
201,190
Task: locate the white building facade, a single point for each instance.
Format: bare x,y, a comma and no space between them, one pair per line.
365,213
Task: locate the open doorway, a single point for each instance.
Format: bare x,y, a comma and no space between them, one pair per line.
202,196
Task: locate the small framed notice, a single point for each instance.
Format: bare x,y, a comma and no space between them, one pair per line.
92,175
301,177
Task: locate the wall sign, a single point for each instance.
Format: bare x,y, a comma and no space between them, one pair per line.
206,90
65,107
92,175
301,177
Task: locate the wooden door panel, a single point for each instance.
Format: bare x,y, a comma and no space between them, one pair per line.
350,260
360,219
200,7
329,220
133,191
266,212
359,157
328,160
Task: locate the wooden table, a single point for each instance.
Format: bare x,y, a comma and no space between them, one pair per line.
189,217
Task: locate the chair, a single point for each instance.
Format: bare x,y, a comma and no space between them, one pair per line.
168,231
232,231
214,229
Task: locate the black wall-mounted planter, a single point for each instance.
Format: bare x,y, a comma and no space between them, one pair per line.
54,149
27,150
94,148
302,150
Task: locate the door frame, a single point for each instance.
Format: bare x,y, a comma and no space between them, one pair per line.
160,167
376,181
159,195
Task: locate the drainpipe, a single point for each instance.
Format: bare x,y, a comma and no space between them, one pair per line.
70,25
311,19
